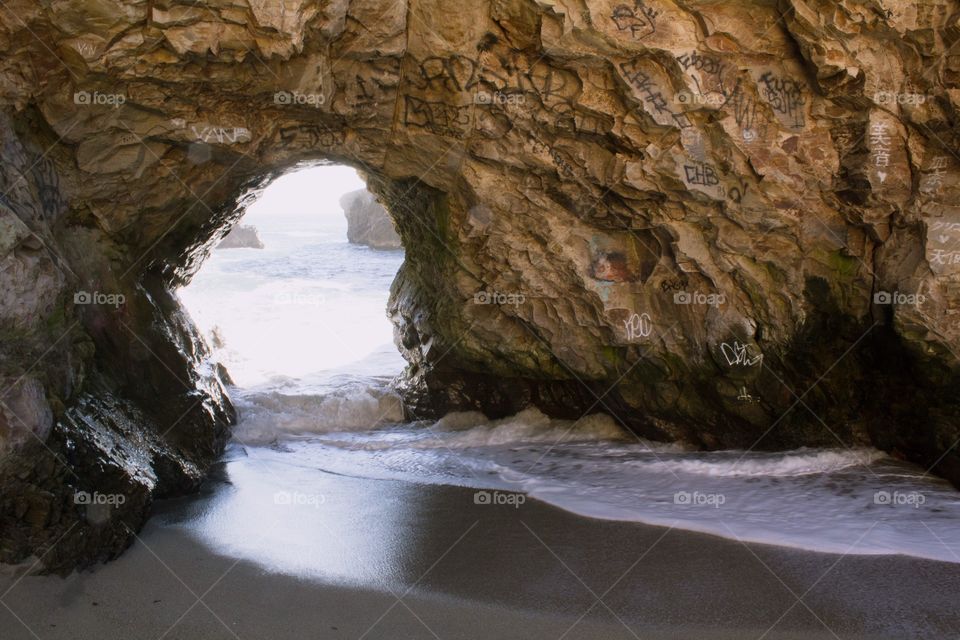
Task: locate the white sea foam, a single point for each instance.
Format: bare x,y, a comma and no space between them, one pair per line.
856,501
795,463
473,429
268,414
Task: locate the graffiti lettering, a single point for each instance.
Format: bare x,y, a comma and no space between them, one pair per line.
86,49
454,74
314,134
738,355
221,135
738,192
698,62
673,285
880,143
553,84
785,96
941,257
437,117
702,174
642,82
639,20
935,173
746,111
638,326
562,164
48,187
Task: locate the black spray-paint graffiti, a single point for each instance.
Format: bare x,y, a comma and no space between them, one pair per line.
640,20
452,74
700,62
373,81
785,96
558,159
674,285
547,93
48,188
738,192
705,64
459,74
315,135
642,82
746,110
701,173
436,117
705,175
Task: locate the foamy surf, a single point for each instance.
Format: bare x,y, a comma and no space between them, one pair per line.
857,501
267,414
794,463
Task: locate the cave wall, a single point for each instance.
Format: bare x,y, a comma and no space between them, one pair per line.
731,223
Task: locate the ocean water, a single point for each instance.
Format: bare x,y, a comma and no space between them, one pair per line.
306,339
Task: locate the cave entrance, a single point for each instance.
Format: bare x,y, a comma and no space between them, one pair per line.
287,299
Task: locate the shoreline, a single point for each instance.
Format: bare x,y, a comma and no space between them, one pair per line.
474,571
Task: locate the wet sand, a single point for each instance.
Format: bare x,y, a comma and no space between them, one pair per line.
463,570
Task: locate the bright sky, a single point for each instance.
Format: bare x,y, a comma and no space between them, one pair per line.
301,193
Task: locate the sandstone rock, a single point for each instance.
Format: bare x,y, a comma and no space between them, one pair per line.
368,223
574,183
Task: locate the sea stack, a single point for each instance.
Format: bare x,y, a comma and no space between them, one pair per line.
242,236
368,223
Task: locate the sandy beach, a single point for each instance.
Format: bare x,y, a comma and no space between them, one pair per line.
423,561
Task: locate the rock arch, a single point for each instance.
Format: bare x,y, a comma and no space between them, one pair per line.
792,164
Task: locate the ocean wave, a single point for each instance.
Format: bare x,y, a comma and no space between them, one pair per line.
267,415
473,429
801,462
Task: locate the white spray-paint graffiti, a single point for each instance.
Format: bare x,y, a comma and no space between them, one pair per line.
935,174
638,326
739,355
881,143
943,244
221,135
